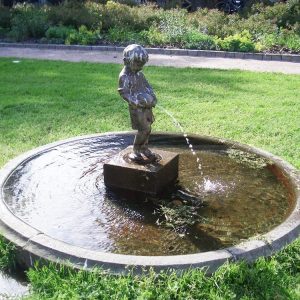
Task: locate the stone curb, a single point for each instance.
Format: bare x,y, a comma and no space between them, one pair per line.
180,52
34,245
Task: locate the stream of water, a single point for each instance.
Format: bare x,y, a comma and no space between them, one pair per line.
178,125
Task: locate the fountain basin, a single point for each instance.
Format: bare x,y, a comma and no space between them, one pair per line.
42,232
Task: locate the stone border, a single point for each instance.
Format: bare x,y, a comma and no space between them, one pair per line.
181,52
35,245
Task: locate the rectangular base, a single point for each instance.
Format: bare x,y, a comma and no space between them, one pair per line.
150,178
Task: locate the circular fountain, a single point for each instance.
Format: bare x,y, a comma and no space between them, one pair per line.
233,202
190,201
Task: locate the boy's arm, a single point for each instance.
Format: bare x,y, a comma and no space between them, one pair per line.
124,90
150,91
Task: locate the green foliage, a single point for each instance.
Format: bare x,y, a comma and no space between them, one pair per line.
149,25
174,30
237,42
58,32
154,37
259,21
213,22
123,35
115,14
173,26
284,40
187,38
7,255
83,36
73,14
197,40
5,17
28,22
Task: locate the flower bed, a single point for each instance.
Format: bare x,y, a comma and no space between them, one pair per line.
259,29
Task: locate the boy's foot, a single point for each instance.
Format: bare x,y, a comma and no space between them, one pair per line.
148,153
143,157
136,157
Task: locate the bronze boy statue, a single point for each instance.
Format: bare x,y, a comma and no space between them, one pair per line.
135,89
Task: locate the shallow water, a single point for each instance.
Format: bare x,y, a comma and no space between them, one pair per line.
61,193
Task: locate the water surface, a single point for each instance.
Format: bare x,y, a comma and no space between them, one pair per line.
61,193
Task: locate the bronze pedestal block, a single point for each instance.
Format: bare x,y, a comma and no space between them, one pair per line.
150,178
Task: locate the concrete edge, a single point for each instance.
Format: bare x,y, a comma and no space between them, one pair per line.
34,245
164,51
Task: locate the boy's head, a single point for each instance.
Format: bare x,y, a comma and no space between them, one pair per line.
135,57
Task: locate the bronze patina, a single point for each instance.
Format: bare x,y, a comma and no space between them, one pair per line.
137,92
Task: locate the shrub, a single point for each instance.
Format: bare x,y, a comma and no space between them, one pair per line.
259,19
174,26
273,27
285,40
257,25
57,34
197,40
280,14
73,14
237,42
5,17
291,14
27,22
213,22
83,36
153,37
124,36
119,15
146,15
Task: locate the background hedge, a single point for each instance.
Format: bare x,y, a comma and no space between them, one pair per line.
259,27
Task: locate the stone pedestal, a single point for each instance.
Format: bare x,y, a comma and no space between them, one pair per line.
150,178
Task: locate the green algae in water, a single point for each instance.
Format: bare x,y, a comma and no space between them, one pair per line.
251,160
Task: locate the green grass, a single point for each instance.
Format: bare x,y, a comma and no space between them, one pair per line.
44,101
275,278
7,255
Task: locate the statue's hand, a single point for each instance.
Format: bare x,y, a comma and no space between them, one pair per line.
145,100
133,104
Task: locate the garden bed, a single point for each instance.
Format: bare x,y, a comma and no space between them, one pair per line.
261,29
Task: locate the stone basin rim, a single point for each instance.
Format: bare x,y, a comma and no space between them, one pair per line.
33,244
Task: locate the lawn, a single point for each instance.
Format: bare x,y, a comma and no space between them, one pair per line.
41,102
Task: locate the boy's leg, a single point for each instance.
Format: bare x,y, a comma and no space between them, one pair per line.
138,141
146,151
